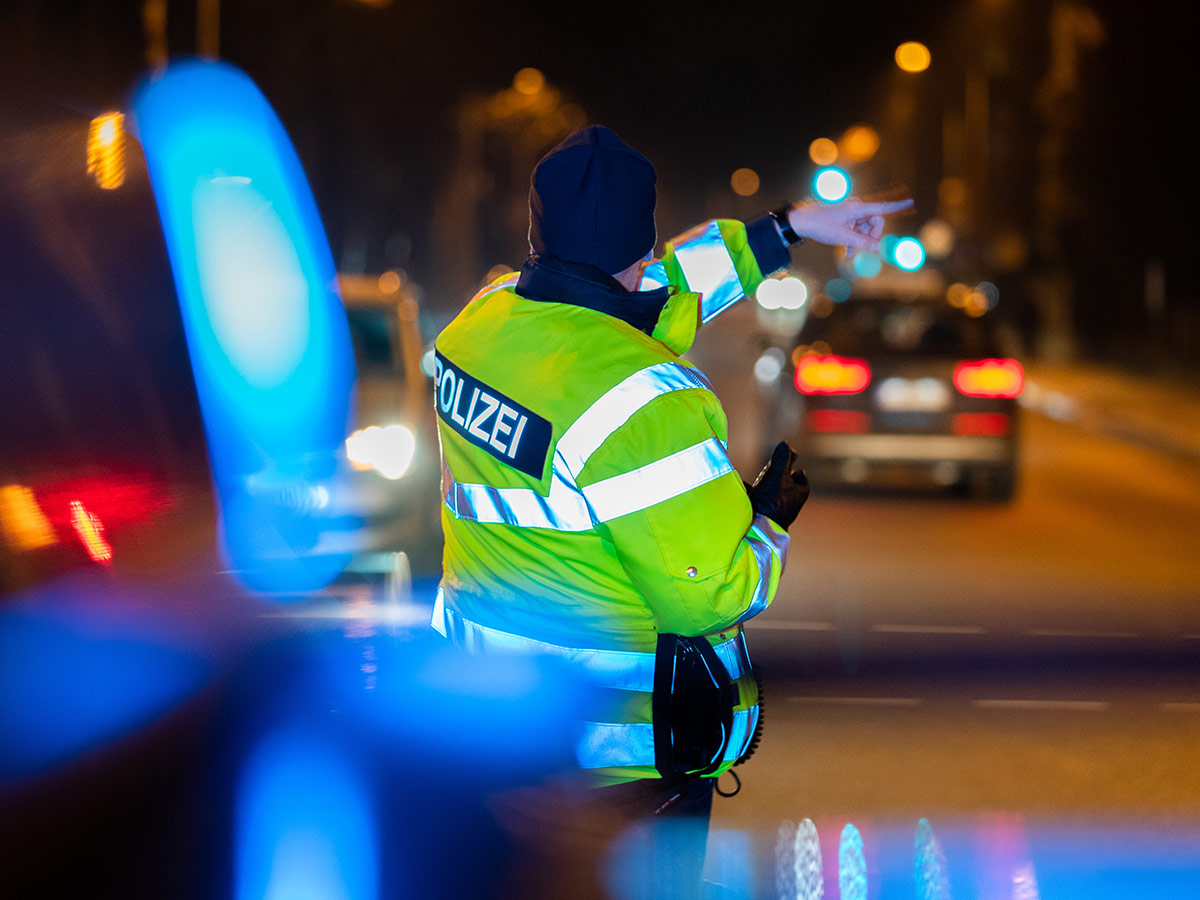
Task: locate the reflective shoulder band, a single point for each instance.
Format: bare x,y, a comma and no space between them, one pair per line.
616,405
708,268
658,481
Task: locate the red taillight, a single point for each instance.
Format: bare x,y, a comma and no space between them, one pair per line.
117,499
981,424
838,421
90,508
817,374
990,378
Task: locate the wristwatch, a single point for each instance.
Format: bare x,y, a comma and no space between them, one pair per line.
785,228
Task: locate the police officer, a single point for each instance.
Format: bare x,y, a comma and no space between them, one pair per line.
591,510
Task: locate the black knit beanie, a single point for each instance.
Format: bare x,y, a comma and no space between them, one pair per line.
591,200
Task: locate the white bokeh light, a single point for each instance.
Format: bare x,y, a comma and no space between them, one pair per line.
782,293
832,184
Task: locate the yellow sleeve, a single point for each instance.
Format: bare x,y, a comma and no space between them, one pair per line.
696,552
709,268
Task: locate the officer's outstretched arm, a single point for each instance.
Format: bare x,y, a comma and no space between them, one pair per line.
722,261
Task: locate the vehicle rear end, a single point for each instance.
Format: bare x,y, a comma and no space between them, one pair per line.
907,393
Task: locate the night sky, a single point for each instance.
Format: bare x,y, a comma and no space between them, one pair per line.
370,97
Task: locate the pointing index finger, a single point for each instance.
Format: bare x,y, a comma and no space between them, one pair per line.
884,207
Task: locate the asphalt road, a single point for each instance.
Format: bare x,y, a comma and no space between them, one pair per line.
1097,555
1032,664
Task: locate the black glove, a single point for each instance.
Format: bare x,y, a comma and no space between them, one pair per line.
780,490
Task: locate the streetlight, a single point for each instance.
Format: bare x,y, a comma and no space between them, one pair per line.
859,144
913,56
823,152
745,182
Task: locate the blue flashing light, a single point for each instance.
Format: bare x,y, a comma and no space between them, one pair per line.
487,714
67,692
305,824
831,184
265,326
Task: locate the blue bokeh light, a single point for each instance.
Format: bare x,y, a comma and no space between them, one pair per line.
266,330
852,865
837,289
867,264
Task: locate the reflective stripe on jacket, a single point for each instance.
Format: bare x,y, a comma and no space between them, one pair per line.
589,498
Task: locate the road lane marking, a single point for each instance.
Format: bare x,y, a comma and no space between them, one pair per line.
1064,632
1063,705
928,629
794,626
859,701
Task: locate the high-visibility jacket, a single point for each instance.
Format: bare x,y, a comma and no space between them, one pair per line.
590,503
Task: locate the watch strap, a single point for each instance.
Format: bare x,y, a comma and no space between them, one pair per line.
785,228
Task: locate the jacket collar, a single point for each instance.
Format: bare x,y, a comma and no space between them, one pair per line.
555,280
